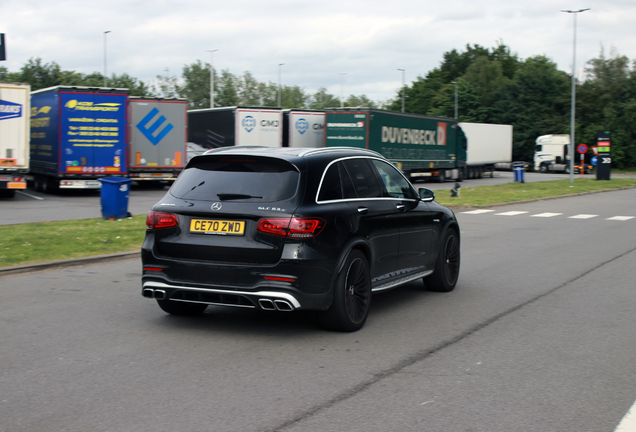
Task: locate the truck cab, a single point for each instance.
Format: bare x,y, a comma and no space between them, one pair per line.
552,154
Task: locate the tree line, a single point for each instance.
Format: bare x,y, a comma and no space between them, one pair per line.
194,85
493,86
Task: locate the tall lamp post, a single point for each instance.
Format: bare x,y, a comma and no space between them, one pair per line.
342,75
105,72
572,110
212,76
403,86
455,82
279,89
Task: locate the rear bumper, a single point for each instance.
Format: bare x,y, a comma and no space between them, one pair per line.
287,285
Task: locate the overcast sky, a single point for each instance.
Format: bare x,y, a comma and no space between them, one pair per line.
368,40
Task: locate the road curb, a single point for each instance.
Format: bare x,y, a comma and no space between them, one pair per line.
73,262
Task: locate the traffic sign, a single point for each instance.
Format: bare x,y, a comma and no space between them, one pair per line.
594,160
582,148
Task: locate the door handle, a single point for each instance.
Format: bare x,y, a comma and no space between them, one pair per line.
363,210
400,207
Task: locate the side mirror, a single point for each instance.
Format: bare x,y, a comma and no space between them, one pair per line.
426,194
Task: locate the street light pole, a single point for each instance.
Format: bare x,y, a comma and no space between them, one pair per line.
342,89
572,110
454,82
279,89
105,71
403,87
212,76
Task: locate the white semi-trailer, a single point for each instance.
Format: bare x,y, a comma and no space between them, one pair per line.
488,145
15,108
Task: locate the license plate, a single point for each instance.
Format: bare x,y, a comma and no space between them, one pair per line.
221,227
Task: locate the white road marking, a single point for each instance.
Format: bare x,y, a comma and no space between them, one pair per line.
583,216
620,218
628,424
546,215
477,211
511,213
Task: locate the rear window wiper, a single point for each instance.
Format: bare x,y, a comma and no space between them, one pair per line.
235,196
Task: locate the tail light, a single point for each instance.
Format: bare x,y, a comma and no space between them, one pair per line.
292,227
157,220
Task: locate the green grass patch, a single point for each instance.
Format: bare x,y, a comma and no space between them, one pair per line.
52,241
512,192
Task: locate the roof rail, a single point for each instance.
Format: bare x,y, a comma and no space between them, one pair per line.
330,149
214,150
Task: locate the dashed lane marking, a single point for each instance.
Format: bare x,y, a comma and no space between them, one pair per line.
583,216
546,215
511,213
477,211
621,218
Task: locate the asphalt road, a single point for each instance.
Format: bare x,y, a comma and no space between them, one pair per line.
537,336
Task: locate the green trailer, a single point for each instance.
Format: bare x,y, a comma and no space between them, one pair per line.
421,146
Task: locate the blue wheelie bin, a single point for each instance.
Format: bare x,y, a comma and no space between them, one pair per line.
519,168
114,197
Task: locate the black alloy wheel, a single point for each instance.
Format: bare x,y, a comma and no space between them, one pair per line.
446,273
352,296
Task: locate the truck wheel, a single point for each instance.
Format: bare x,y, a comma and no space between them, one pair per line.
181,308
543,168
7,193
441,177
444,278
567,169
351,296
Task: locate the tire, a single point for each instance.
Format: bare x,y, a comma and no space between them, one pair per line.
181,308
441,178
7,193
543,168
446,273
351,296
460,175
567,169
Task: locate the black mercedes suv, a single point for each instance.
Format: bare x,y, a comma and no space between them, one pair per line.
295,228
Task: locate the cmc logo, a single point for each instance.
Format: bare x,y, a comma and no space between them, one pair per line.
249,123
302,125
269,123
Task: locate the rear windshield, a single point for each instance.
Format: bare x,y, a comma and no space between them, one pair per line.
237,178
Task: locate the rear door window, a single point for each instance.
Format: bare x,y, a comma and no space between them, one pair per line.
363,178
237,178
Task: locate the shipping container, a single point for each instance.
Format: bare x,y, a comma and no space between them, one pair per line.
421,146
158,134
489,146
78,135
230,126
303,128
14,137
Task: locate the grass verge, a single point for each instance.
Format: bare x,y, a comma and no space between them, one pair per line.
512,192
53,241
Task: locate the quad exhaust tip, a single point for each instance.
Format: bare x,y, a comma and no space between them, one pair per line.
151,293
279,305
